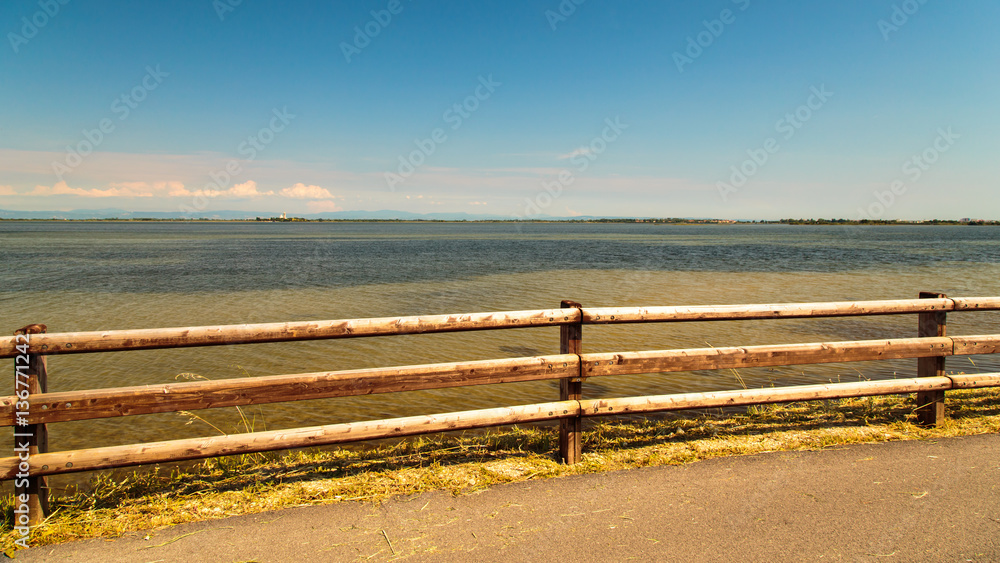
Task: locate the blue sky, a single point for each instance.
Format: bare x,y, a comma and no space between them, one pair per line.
723,108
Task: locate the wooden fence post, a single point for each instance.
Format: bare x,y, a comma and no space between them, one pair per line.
930,404
35,436
571,389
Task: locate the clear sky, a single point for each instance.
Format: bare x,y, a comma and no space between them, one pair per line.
723,108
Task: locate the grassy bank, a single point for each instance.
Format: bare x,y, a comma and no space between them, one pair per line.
124,502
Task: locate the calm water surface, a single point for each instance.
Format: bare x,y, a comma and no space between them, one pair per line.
93,276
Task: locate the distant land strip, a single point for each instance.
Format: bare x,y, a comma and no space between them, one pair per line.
660,220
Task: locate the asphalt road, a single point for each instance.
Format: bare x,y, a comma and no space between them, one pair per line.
893,502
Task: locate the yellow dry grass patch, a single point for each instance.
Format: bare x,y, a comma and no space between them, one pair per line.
124,502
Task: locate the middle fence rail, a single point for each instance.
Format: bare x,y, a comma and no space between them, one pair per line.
32,407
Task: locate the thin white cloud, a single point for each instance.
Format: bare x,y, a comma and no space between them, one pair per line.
302,191
584,151
104,168
154,188
115,189
7,190
477,203
247,189
60,188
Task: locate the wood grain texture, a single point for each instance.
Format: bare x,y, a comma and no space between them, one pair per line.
179,337
608,315
182,337
930,404
745,397
172,397
571,389
976,303
978,344
199,448
975,380
609,363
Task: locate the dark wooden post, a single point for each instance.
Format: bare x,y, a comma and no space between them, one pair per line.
35,436
571,389
930,404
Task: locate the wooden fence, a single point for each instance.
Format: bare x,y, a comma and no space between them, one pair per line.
33,407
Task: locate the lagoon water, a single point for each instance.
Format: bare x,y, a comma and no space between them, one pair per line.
75,276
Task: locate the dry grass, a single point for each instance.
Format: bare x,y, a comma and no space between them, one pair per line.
123,502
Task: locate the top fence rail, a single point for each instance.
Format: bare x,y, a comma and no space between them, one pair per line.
221,335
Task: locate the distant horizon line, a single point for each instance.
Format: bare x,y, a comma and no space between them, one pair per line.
396,215
660,220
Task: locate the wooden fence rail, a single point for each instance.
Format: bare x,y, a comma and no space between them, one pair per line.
197,448
196,395
32,410
184,337
222,335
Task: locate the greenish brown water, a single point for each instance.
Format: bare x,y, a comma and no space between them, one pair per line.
92,276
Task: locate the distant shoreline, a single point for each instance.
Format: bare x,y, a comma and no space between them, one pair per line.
660,221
